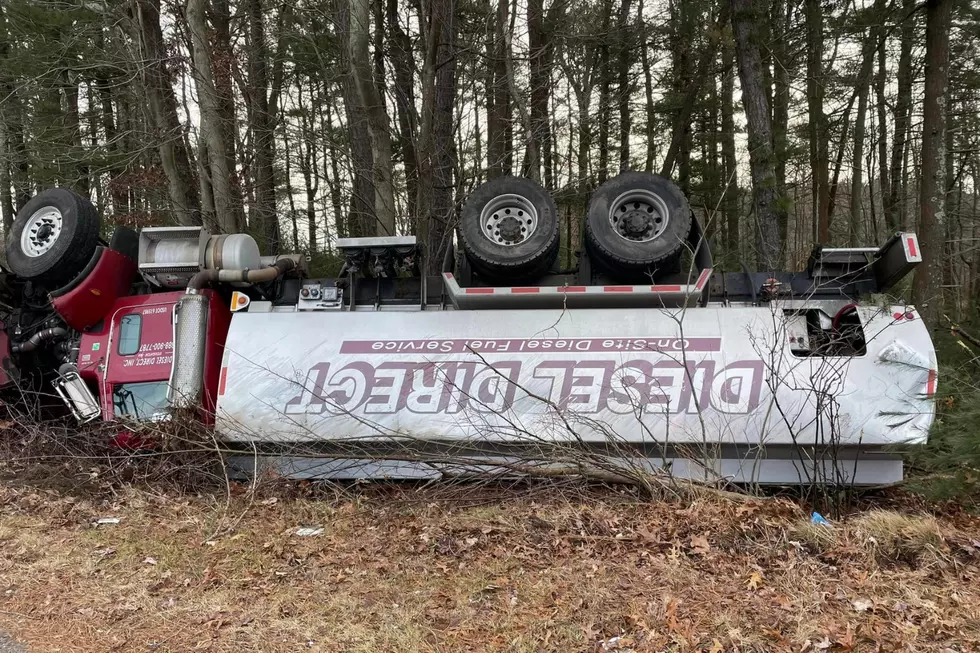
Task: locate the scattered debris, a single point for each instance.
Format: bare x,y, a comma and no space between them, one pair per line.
818,519
308,532
108,520
862,605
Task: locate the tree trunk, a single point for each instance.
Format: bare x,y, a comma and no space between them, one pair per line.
404,91
118,190
162,104
499,114
901,119
730,199
530,167
378,50
765,197
333,180
361,218
605,72
681,130
713,164
73,146
287,160
623,90
651,107
683,95
6,142
215,129
221,59
264,218
868,50
975,286
6,197
926,289
307,160
369,102
436,200
783,20
884,182
841,148
541,57
819,138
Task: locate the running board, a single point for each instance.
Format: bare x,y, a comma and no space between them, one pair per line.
537,297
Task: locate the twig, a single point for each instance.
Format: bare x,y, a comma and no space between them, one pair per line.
960,332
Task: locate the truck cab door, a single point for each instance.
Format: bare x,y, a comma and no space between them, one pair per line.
139,361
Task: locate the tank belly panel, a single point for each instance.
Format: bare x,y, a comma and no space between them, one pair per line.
665,377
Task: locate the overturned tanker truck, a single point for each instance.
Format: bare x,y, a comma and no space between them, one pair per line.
642,351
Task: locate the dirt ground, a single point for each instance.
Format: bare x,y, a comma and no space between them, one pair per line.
464,569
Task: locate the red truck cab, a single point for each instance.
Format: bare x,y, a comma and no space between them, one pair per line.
129,356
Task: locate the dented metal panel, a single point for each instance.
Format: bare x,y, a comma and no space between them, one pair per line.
708,375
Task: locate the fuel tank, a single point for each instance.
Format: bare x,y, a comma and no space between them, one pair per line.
671,384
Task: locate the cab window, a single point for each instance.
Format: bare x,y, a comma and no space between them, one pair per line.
130,327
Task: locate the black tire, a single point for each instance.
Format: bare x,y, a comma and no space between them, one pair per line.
60,259
658,218
531,254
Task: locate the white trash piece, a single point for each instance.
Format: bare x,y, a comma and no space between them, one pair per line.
308,532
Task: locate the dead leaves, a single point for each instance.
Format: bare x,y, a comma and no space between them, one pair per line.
710,577
699,545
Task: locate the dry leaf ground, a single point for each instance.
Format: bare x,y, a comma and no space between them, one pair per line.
526,569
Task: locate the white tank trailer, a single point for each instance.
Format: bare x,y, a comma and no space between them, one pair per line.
493,358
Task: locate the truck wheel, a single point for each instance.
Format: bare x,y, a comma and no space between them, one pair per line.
53,237
637,220
509,229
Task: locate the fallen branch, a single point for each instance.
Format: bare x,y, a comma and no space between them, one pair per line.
960,333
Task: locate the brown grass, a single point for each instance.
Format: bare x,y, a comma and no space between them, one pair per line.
895,535
403,569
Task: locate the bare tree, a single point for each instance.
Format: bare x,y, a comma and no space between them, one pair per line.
215,129
863,87
500,135
932,189
541,54
681,130
818,132
361,218
436,160
369,101
404,90
730,199
263,215
901,117
6,92
765,196
624,41
162,104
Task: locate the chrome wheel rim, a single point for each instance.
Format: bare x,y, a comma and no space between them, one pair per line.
41,232
639,216
508,220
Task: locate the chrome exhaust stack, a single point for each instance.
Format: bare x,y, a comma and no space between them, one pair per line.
190,340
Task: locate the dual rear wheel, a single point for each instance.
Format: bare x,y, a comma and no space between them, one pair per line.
636,222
